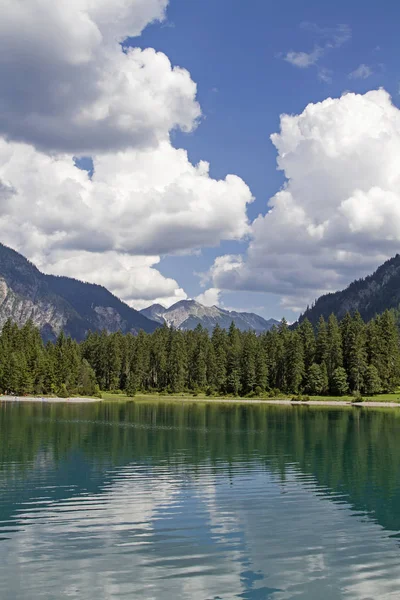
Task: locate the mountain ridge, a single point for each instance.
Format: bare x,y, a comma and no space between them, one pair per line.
369,295
56,303
187,314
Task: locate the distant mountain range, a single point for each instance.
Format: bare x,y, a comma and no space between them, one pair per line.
370,296
61,303
187,314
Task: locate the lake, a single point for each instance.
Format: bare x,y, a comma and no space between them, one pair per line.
196,501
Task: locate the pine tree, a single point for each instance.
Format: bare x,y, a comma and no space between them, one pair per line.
199,372
261,367
211,367
345,330
334,358
339,383
372,381
87,385
219,341
130,385
374,345
248,362
176,366
158,358
274,344
316,382
306,332
357,359
389,359
281,363
294,362
321,354
233,361
114,361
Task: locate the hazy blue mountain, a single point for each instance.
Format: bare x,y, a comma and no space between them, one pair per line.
61,303
370,296
187,314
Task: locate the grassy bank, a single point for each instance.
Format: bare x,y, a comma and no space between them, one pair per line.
343,400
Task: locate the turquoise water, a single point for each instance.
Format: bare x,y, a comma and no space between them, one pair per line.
145,500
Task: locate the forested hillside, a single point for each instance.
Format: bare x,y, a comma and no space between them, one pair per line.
369,296
349,356
54,303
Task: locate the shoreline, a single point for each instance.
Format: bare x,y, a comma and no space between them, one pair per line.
243,401
48,400
279,402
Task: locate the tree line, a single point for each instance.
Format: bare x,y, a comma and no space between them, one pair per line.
333,359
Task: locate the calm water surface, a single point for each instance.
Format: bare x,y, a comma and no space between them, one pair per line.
171,501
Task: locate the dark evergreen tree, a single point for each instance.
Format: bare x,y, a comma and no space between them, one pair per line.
248,362
294,362
219,341
233,376
306,331
334,355
339,383
388,363
177,359
316,380
322,342
357,349
372,381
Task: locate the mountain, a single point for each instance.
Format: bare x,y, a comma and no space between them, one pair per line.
61,303
370,296
155,312
187,314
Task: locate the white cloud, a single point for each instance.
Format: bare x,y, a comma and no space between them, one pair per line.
304,59
138,204
132,278
337,216
69,89
325,75
210,297
362,72
329,38
75,90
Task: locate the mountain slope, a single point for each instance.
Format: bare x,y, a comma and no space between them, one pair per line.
155,312
56,303
187,314
369,296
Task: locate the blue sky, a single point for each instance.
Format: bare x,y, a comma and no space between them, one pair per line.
232,50
101,146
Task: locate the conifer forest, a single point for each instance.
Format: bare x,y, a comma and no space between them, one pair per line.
335,358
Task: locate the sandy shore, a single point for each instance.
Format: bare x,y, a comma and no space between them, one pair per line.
47,400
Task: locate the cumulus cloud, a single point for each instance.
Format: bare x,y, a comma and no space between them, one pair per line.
67,85
132,278
362,72
337,216
210,297
137,204
73,87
